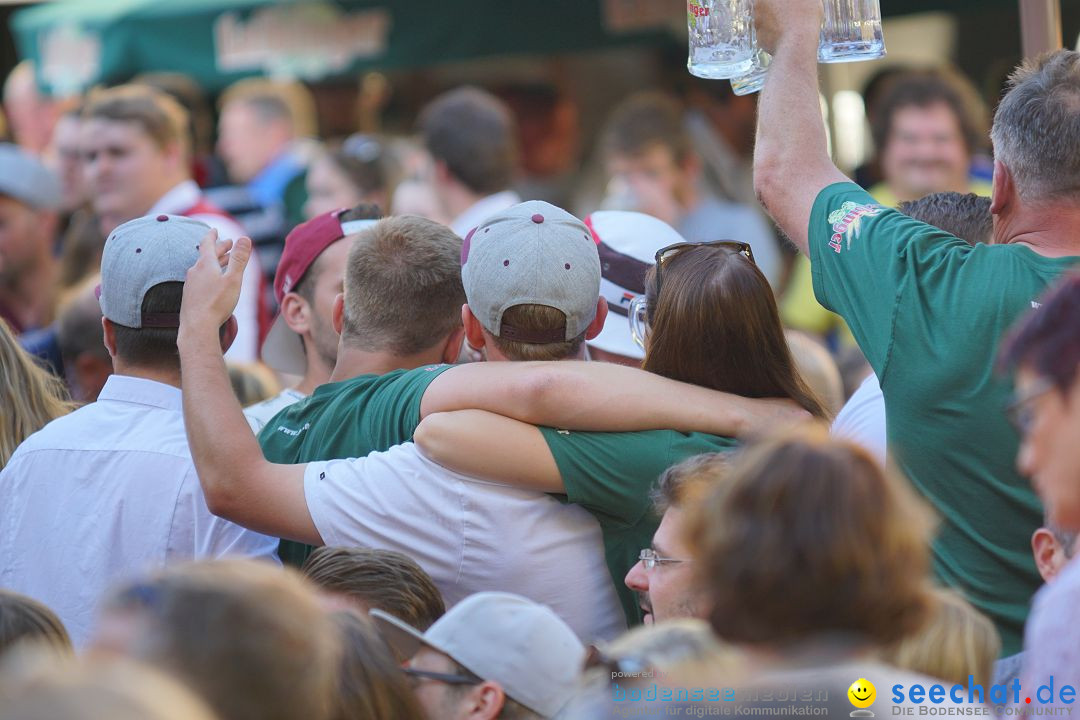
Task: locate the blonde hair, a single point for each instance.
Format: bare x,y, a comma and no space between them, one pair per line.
114,691
957,641
30,395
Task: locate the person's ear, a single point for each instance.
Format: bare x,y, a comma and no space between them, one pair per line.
452,349
229,335
485,701
108,336
296,312
338,317
598,322
474,331
1048,553
1004,189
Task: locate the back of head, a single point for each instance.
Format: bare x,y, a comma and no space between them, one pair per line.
78,324
965,215
30,395
156,113
377,578
715,324
643,121
113,691
371,685
956,642
818,368
403,291
809,536
251,639
532,279
24,620
1036,130
473,133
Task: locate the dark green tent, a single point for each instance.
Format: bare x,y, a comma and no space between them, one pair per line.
77,43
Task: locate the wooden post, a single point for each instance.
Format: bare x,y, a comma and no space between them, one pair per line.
1040,26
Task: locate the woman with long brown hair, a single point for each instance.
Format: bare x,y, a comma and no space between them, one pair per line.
707,317
29,395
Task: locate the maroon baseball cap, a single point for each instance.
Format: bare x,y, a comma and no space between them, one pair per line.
283,349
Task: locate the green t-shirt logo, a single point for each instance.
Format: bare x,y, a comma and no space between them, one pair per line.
845,222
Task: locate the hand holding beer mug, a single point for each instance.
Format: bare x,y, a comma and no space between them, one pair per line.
721,37
850,32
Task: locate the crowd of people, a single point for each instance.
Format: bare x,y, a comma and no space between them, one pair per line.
399,427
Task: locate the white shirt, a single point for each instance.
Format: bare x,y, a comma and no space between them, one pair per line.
1052,634
106,493
261,413
482,209
469,535
862,419
245,347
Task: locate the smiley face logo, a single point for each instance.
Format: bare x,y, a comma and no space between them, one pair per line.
862,693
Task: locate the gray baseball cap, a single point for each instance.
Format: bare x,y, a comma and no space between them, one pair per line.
140,254
531,254
505,638
25,178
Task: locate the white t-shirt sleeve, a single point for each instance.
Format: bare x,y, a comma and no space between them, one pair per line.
390,500
862,419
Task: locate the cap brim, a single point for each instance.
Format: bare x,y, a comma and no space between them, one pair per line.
283,349
615,338
402,638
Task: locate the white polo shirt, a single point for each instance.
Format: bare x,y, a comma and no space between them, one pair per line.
106,493
469,535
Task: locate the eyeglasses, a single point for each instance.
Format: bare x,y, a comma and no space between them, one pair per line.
1021,410
650,559
447,678
667,253
628,666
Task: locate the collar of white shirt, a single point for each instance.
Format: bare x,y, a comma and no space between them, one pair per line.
126,388
179,199
482,209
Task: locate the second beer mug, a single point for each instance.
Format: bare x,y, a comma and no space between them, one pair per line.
851,31
721,37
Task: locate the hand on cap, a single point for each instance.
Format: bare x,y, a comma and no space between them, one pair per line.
210,295
777,19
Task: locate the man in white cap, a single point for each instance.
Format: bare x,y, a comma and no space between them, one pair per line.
627,243
302,340
110,489
29,198
493,655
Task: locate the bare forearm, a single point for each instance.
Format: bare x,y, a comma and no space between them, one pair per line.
791,157
222,445
586,396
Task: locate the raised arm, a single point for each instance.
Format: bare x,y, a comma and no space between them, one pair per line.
239,484
599,396
791,156
491,447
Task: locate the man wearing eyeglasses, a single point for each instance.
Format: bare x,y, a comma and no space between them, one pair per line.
1044,349
493,655
927,309
662,576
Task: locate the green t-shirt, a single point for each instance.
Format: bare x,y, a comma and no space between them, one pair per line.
369,413
610,475
928,311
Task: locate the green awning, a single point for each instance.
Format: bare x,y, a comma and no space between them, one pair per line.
77,43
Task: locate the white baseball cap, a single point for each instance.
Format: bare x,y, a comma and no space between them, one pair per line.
627,242
523,646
